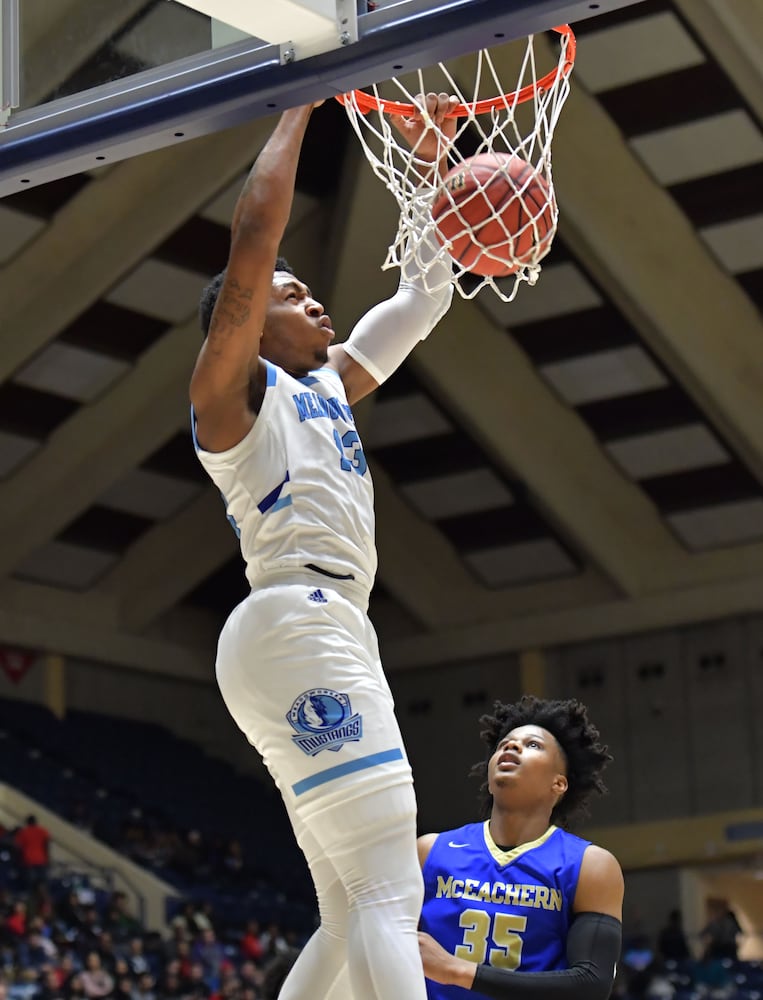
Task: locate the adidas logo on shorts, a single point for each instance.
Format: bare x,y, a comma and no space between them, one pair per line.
318,597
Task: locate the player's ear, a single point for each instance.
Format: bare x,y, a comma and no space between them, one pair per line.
560,784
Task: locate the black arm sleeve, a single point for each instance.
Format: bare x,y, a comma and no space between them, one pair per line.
593,948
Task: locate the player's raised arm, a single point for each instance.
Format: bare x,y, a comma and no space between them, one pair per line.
227,383
386,335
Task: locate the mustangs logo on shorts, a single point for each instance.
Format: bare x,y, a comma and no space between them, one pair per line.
323,720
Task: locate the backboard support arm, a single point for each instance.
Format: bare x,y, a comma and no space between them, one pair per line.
302,28
226,87
9,59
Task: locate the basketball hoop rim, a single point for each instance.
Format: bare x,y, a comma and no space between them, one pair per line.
367,102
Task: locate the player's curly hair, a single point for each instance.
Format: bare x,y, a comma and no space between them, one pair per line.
568,723
209,295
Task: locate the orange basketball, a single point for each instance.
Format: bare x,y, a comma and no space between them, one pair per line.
496,214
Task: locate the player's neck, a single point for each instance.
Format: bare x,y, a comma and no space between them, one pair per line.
510,829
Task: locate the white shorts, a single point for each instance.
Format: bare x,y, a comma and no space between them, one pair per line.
299,670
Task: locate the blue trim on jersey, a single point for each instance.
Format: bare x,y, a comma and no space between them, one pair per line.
272,373
332,773
272,501
283,502
231,518
308,380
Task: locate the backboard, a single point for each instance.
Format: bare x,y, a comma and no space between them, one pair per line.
89,82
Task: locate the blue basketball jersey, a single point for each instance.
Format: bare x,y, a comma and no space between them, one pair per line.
506,908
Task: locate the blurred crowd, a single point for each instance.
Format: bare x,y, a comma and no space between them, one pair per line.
62,941
668,968
166,848
72,949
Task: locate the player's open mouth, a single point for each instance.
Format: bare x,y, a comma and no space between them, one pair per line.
510,760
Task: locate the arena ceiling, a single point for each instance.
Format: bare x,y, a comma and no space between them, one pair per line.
585,461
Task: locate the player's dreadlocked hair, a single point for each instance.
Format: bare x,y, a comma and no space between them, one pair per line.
209,295
567,721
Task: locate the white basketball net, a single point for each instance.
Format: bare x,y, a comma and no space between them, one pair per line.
520,124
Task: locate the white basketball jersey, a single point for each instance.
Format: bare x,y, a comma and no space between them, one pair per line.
297,488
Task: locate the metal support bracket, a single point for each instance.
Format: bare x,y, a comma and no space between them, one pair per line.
9,59
302,28
347,21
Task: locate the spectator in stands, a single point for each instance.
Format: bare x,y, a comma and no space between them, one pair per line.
273,941
189,920
233,861
250,944
276,972
25,985
16,921
179,935
70,911
36,951
134,834
39,925
204,916
671,941
33,843
208,951
75,988
189,857
250,976
637,958
144,988
41,905
720,933
136,958
292,939
118,920
89,932
124,988
96,981
50,988
107,952
121,970
170,985
230,984
68,966
196,988
184,960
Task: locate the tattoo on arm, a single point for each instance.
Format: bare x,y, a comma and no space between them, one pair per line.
232,311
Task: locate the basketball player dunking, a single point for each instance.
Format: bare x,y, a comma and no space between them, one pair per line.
517,908
297,662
